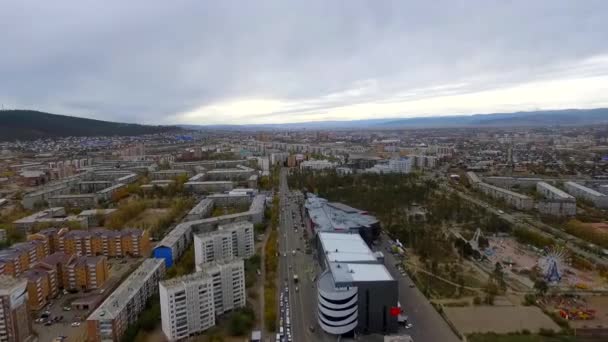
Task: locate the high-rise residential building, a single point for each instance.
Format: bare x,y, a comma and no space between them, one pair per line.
190,304
15,325
234,240
186,305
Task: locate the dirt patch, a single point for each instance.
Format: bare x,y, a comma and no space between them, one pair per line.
501,320
147,218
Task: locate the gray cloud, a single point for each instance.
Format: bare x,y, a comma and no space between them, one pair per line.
147,61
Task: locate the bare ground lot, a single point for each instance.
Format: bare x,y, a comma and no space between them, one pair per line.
147,218
499,319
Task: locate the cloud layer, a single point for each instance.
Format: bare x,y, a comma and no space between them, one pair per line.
204,62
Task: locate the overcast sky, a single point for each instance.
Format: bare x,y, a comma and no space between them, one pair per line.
236,62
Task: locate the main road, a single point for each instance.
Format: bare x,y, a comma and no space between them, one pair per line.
294,261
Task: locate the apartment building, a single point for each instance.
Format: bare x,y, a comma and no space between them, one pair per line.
110,243
122,308
86,273
598,199
556,202
15,324
42,285
190,304
233,240
317,165
228,279
186,305
511,198
53,238
173,245
59,262
22,256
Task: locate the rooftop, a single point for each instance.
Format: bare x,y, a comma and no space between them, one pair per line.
555,191
345,247
586,189
7,283
115,303
336,216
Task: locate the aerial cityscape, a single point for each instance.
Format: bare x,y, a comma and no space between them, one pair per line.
304,171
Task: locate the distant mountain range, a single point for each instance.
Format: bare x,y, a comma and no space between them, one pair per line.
31,125
567,117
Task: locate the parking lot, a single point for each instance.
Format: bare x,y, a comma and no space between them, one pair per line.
59,318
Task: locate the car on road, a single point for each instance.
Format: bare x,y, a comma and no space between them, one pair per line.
412,285
409,326
75,324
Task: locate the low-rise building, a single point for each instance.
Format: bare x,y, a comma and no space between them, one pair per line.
110,243
317,165
59,262
200,211
511,198
86,273
83,201
169,174
122,308
598,199
42,285
200,187
557,202
52,217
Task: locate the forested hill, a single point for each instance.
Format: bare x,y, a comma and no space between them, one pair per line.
30,125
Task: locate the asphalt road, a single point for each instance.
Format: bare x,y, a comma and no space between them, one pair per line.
301,298
428,325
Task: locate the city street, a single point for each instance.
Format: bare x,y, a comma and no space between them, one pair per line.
295,261
428,325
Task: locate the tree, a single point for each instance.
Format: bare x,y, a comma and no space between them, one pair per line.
241,322
541,287
498,275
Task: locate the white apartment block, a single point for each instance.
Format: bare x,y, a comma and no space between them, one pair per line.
557,202
234,240
550,192
401,165
190,304
318,165
513,199
598,199
187,305
557,208
228,279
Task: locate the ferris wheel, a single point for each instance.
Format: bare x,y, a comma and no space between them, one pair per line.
552,264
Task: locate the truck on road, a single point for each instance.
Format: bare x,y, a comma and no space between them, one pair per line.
295,278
